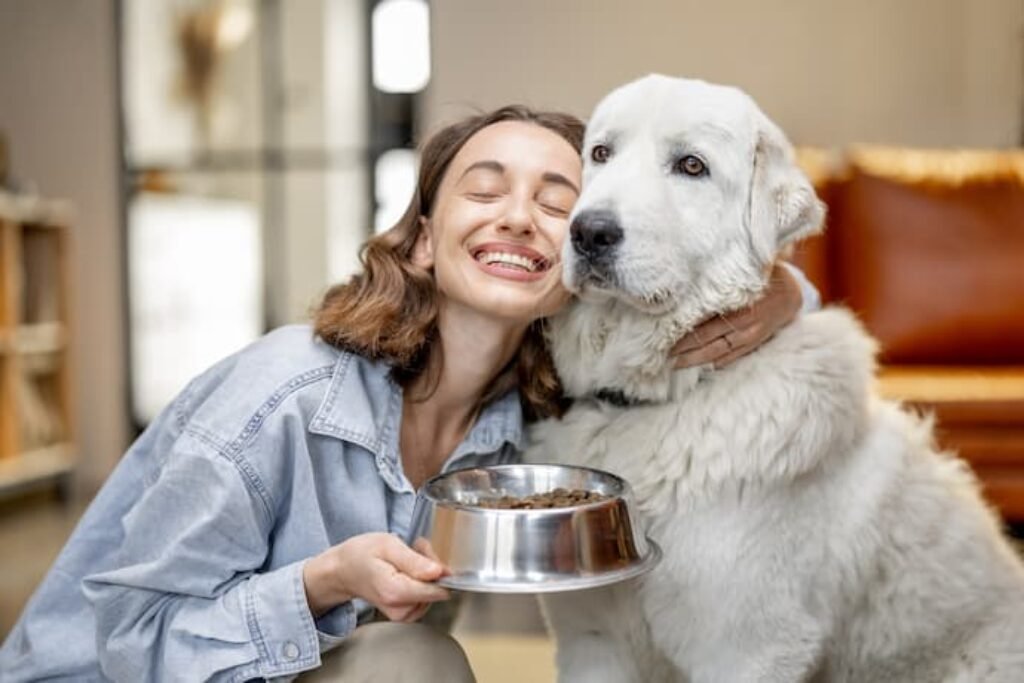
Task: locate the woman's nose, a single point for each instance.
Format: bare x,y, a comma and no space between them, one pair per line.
518,217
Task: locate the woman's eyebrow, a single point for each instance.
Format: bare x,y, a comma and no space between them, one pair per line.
559,179
498,167
486,164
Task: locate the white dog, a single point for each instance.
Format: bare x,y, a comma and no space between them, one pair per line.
811,532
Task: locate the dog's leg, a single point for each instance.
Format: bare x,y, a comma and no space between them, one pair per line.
600,638
747,640
779,664
997,653
791,657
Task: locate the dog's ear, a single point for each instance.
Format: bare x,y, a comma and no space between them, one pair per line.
782,206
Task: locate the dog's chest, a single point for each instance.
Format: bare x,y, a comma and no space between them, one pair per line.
605,438
670,454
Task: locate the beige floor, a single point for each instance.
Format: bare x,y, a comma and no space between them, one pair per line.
504,638
509,658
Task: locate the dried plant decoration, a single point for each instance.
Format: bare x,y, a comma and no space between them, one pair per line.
205,34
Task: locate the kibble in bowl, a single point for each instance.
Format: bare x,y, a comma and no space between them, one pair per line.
558,498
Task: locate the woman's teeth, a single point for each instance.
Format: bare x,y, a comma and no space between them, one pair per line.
506,259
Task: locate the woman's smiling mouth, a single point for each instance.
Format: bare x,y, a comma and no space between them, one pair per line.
511,261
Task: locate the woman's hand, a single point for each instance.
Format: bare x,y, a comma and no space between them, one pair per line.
380,569
723,339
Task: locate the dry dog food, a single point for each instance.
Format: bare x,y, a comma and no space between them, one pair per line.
559,498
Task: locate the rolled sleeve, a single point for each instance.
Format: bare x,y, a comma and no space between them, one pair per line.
280,622
811,296
336,625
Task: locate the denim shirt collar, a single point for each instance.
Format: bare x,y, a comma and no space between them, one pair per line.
363,405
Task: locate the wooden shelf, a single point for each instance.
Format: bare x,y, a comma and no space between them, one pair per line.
39,338
35,466
36,425
34,211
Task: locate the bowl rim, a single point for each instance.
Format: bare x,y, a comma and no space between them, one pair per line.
624,494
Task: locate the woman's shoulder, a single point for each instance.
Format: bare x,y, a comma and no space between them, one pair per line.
255,409
287,370
280,357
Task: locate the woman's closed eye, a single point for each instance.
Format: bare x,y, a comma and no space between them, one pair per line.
484,195
555,210
557,200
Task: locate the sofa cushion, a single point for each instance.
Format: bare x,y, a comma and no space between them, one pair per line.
979,415
928,249
979,411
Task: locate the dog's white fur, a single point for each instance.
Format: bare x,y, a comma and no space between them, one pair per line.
811,532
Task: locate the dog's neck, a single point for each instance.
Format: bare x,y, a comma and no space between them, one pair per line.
609,348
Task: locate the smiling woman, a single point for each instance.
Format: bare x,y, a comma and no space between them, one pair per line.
489,215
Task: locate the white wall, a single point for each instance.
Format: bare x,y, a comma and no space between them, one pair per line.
58,107
914,72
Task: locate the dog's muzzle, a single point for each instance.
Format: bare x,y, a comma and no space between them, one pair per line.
595,235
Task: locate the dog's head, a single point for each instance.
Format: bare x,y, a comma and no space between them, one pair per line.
689,192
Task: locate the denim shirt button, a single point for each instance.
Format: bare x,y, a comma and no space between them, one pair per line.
290,651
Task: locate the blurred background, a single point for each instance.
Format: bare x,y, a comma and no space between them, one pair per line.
179,176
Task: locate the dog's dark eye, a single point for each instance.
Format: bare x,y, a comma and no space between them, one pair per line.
691,165
600,154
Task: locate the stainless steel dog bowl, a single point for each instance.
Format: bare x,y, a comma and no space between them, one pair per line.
531,551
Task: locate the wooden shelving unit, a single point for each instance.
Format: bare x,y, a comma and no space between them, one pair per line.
36,421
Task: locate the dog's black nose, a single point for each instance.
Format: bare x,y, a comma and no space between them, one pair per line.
595,233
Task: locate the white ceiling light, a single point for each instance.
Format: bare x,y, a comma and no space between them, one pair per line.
401,46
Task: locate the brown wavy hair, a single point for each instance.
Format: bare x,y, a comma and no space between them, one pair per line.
389,311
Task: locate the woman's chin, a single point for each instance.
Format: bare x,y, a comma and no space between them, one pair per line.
507,300
516,307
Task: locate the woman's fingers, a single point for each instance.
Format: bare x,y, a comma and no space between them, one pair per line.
408,561
423,547
708,331
746,341
708,353
396,589
411,576
406,614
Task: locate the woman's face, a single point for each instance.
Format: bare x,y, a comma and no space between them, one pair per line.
500,216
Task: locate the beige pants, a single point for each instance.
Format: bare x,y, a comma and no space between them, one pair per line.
386,652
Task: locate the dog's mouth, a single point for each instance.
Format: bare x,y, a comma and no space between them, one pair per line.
597,283
593,276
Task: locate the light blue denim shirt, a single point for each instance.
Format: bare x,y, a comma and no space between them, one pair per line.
188,564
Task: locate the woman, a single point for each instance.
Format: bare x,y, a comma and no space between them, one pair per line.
259,516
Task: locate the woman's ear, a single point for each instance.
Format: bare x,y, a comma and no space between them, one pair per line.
423,251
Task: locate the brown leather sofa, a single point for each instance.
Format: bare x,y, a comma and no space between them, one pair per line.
928,248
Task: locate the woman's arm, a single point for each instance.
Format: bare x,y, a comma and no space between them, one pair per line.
725,338
187,599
